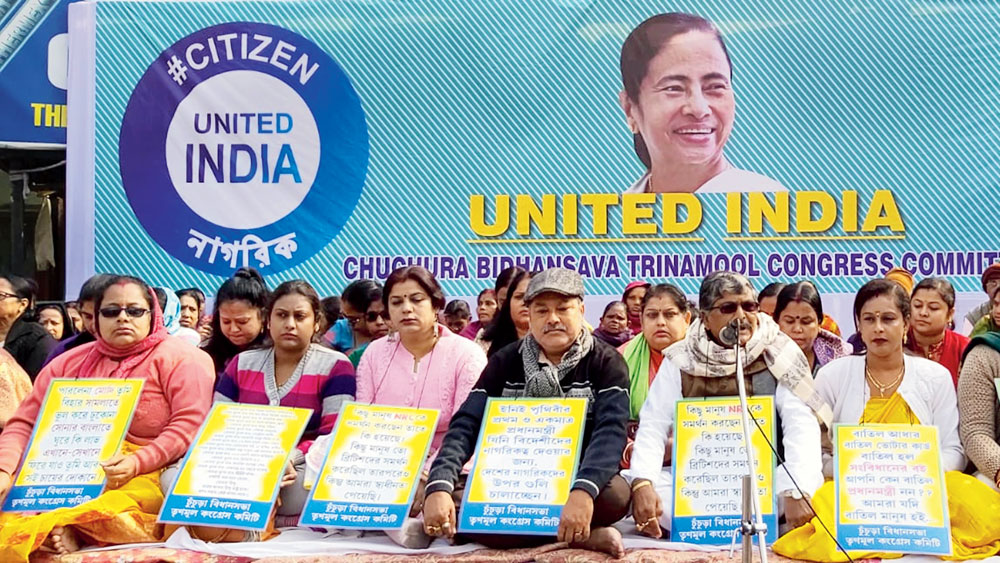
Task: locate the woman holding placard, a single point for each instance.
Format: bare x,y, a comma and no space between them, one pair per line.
237,317
799,313
176,395
887,386
421,365
665,315
294,371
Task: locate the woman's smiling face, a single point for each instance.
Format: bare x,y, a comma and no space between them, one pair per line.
686,107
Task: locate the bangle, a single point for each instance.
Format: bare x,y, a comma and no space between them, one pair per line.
642,483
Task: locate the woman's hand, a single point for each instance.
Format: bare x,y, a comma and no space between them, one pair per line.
439,515
646,510
290,474
120,469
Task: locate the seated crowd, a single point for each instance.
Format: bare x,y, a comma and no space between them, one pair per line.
404,344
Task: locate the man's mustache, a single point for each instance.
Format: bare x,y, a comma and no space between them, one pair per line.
551,328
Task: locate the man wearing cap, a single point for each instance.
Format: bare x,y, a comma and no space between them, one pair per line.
990,281
557,359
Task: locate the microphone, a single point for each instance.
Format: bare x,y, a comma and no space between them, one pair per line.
730,334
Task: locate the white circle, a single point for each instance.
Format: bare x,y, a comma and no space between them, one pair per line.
246,117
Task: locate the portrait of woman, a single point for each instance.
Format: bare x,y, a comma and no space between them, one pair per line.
679,104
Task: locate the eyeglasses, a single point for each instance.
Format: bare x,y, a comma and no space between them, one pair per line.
730,307
370,316
5,295
114,311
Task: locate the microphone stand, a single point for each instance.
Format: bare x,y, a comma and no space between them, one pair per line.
753,522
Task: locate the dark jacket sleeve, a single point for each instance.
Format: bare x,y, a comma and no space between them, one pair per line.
609,378
463,430
31,346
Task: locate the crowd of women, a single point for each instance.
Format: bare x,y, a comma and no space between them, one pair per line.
404,344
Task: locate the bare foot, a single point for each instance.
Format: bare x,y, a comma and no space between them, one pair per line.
606,540
64,540
47,546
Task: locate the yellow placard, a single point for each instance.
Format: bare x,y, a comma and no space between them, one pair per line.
81,422
709,464
528,451
376,454
241,451
890,489
370,472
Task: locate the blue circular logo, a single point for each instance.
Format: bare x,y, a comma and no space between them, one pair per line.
243,144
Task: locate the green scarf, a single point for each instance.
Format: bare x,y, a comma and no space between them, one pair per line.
636,355
991,339
984,326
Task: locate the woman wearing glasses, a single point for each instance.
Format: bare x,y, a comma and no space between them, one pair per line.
422,365
352,333
176,394
700,365
237,317
27,341
887,386
375,323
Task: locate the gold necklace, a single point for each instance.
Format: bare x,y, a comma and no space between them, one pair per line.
878,385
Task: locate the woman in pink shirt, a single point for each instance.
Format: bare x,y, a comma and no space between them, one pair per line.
422,364
176,395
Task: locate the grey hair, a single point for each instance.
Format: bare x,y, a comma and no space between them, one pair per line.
716,284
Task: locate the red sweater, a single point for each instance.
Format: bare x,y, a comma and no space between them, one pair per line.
175,399
949,355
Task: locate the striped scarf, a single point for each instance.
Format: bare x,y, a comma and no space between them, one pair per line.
542,380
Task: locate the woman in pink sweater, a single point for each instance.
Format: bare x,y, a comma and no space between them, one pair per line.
176,395
422,365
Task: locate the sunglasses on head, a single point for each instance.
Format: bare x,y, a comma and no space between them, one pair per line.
114,311
730,307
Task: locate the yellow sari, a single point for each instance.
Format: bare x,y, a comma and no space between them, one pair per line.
123,515
973,508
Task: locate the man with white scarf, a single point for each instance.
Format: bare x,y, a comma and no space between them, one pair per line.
701,366
558,358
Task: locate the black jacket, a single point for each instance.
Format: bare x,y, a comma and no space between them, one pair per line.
30,344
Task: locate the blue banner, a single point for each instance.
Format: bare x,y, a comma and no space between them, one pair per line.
43,498
212,511
336,140
354,515
33,62
504,518
716,530
895,539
